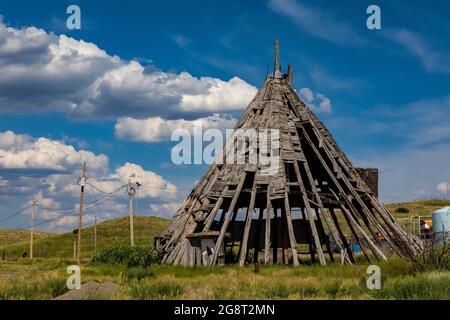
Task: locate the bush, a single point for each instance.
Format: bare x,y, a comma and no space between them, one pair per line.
435,255
402,210
138,256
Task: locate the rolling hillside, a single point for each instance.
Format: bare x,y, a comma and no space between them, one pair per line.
13,236
111,232
415,208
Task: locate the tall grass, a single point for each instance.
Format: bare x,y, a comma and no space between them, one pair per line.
334,281
33,290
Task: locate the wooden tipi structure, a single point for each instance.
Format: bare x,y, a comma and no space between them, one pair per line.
314,205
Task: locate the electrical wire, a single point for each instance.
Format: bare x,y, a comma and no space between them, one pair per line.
91,205
15,214
97,188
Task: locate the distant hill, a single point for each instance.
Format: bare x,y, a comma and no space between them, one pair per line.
415,208
114,232
14,236
109,233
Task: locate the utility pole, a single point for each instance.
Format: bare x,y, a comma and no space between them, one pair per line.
447,190
74,250
95,234
138,185
33,213
82,182
131,190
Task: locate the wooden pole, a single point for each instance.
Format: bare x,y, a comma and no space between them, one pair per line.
277,59
33,212
130,212
248,223
290,228
267,233
309,216
95,235
83,179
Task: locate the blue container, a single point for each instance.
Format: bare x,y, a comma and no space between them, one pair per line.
441,222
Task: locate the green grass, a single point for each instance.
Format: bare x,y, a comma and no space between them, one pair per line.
18,281
13,236
109,233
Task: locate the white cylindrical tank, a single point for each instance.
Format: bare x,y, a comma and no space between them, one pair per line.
441,223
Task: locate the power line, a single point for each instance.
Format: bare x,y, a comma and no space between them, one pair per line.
68,211
97,188
92,205
15,214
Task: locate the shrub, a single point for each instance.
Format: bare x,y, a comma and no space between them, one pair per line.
435,255
402,210
138,256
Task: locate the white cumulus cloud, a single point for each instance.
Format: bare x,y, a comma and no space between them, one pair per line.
43,72
316,101
157,129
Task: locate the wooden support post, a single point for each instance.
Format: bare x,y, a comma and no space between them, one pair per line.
341,234
274,235
212,215
267,231
331,175
377,252
290,228
328,221
227,220
367,213
322,230
248,223
188,224
309,216
258,235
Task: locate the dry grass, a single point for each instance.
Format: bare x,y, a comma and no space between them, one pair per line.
109,233
272,282
13,236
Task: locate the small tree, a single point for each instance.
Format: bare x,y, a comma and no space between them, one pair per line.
435,254
402,210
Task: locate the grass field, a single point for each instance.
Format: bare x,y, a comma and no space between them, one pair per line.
11,236
111,232
45,278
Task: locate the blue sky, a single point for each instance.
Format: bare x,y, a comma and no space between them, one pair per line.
386,91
